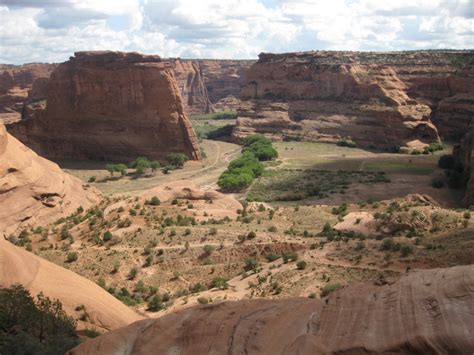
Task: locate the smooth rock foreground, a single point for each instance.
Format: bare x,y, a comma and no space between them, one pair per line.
110,106
35,191
425,312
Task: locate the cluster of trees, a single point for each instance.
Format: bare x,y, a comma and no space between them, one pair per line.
142,165
33,326
241,172
260,146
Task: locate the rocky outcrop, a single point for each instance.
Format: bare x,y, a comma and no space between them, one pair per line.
210,85
85,301
191,84
424,312
15,82
464,152
110,106
224,80
454,112
33,190
364,96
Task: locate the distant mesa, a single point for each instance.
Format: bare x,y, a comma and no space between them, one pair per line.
109,106
385,100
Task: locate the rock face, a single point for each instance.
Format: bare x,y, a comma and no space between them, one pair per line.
190,81
110,106
332,95
210,85
424,312
464,152
103,310
224,80
15,82
33,190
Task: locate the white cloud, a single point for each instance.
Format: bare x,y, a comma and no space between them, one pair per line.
51,30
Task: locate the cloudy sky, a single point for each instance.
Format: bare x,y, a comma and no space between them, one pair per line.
51,30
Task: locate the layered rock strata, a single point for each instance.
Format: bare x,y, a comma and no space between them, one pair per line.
110,106
381,99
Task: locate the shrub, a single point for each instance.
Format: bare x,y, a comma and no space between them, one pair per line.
132,273
272,257
107,236
155,304
347,143
447,161
208,249
225,115
251,264
405,250
260,146
329,288
467,215
92,179
272,229
301,265
203,300
387,244
176,160
289,256
71,257
154,201
220,283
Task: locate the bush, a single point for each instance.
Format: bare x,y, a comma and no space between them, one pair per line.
71,257
154,201
251,264
447,161
405,250
220,283
347,143
92,179
329,288
272,257
203,300
289,256
132,273
177,160
107,236
225,115
387,244
34,326
155,304
301,265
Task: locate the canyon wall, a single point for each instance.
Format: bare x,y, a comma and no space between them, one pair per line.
425,312
210,85
359,95
110,106
33,190
15,82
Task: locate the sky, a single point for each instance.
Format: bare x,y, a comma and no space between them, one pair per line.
52,30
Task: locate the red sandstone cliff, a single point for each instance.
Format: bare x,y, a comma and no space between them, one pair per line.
425,312
362,95
15,82
33,190
209,85
110,106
